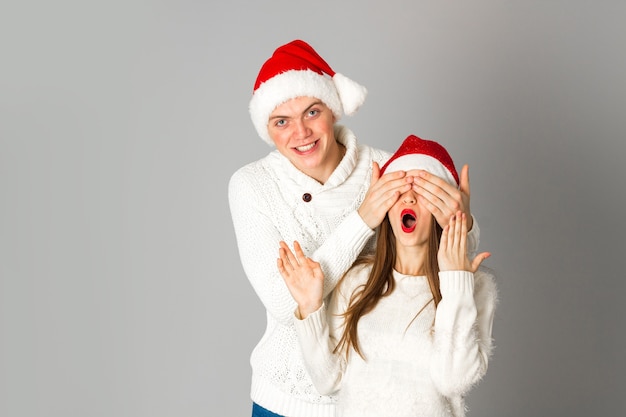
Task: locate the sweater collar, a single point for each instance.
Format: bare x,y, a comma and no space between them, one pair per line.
409,284
401,277
349,160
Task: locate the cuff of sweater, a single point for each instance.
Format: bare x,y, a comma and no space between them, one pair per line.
456,282
312,323
473,238
354,232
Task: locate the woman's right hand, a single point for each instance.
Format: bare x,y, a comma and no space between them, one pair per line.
382,195
303,277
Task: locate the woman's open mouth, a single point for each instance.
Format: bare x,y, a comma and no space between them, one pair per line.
409,219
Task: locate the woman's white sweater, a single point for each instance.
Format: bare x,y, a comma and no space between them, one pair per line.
418,361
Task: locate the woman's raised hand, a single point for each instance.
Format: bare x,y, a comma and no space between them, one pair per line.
303,277
452,255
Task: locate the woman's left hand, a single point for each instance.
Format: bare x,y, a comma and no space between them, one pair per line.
452,255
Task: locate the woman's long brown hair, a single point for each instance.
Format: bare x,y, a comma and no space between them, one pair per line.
380,282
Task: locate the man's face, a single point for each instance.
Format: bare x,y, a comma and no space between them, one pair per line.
302,130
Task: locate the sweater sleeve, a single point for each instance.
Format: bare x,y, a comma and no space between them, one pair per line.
316,342
337,254
258,240
473,239
320,332
463,324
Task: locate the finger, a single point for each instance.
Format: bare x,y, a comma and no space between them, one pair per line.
392,193
434,209
479,259
454,231
464,180
464,188
390,183
375,173
447,197
283,251
284,261
288,256
458,220
463,234
389,187
434,183
281,269
443,243
383,186
450,234
315,267
436,196
300,257
391,200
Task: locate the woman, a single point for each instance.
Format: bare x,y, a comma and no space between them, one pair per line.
407,332
322,188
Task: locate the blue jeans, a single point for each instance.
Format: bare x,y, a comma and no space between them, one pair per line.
258,411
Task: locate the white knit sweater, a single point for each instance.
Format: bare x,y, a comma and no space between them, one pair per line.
412,368
267,205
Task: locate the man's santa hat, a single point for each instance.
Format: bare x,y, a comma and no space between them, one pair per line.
296,70
428,155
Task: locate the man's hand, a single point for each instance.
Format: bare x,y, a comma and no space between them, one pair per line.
442,199
382,195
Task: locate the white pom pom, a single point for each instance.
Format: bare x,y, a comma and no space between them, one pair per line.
352,95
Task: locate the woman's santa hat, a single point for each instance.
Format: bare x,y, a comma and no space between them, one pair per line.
296,70
428,155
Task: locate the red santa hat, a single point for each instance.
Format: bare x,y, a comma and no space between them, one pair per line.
296,70
417,153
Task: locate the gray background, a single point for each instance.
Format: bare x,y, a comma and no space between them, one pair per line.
121,290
